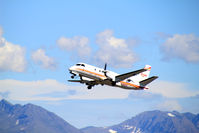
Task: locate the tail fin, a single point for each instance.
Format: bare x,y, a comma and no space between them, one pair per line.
144,75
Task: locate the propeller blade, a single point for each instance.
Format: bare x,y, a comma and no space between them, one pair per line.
105,69
105,66
105,73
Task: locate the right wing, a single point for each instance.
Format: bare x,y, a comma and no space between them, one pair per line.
127,75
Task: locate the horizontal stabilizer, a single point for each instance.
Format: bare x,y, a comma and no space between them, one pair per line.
147,81
127,75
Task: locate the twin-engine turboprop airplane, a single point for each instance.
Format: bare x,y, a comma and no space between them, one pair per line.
91,76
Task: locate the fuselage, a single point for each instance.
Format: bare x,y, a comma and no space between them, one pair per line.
89,72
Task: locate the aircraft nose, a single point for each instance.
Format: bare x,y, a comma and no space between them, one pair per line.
71,68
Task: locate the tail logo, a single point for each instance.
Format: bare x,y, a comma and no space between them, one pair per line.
143,75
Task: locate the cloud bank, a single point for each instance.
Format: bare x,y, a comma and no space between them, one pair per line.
52,90
171,89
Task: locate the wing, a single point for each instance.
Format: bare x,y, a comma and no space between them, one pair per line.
129,74
80,81
147,81
84,81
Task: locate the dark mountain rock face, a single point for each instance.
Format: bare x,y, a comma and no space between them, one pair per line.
164,122
31,119
196,121
154,122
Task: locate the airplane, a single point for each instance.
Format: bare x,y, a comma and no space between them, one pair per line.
91,76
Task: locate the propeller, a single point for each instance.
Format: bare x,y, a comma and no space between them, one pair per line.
105,69
105,66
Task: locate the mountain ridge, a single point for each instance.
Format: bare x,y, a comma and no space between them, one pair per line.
31,118
153,122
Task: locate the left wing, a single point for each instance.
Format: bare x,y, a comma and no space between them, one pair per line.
127,75
84,81
80,81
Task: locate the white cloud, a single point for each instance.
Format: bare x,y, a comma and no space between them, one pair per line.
171,89
77,44
185,47
52,90
169,105
12,57
114,51
39,56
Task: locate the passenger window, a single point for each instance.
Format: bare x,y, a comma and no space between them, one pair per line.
128,80
83,65
77,64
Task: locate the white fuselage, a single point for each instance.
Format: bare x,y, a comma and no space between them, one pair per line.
91,73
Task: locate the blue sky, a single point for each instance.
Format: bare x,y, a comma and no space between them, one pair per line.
40,40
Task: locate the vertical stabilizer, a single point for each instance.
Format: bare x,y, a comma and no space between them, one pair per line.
144,75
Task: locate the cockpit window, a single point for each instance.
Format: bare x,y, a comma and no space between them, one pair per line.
80,65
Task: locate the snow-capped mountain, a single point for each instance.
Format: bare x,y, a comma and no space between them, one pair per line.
30,118
154,122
